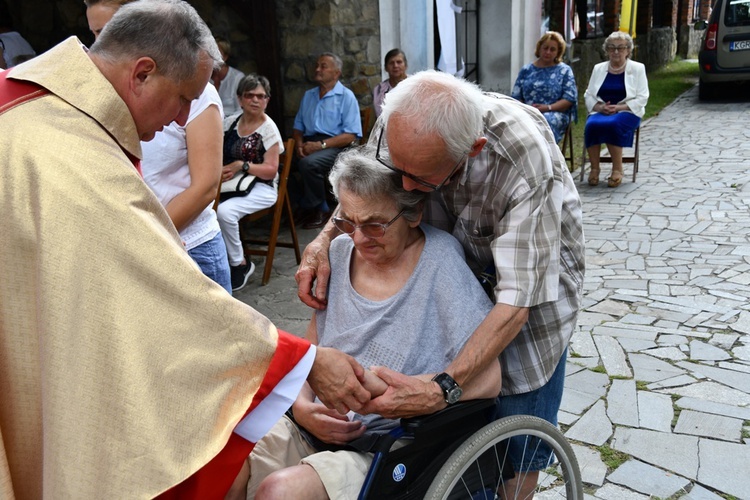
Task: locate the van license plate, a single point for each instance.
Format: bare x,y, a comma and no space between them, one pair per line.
739,45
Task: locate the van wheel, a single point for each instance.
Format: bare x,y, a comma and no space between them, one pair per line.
706,91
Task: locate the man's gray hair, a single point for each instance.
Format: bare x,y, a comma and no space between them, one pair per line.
169,31
436,102
336,59
357,171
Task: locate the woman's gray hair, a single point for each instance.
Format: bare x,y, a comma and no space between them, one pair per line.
169,31
251,81
618,35
357,171
438,103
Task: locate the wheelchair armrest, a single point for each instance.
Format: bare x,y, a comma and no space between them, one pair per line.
447,416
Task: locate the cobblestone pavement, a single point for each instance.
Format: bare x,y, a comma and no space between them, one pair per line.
659,370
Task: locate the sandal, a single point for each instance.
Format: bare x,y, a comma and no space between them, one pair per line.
613,181
594,177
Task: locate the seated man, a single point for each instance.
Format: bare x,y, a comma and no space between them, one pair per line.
327,121
401,296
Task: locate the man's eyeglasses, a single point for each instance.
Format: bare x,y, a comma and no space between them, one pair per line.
369,229
381,155
250,96
617,48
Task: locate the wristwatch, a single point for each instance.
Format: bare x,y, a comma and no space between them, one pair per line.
451,391
323,145
245,166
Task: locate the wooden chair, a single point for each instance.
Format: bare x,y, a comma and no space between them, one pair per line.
625,159
365,114
567,147
282,205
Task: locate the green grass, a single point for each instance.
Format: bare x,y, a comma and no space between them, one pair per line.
665,85
611,457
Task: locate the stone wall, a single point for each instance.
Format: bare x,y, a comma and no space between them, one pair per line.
348,28
658,49
690,43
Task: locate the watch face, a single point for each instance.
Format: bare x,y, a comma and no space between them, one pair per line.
453,395
451,391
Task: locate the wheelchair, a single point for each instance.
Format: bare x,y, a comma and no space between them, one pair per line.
459,453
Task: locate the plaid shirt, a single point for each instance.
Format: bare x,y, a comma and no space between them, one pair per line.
516,206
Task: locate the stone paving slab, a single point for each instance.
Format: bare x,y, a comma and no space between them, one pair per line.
674,452
593,427
622,403
712,392
698,492
725,466
708,425
612,491
742,413
612,356
730,378
582,390
655,411
648,479
593,470
650,369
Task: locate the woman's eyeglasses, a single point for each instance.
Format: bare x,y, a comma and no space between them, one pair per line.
617,48
251,96
369,229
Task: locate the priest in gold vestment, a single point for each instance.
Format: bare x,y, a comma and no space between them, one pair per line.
124,371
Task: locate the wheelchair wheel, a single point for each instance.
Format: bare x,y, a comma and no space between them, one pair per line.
477,468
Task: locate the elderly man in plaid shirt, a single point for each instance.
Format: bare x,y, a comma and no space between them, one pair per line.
499,184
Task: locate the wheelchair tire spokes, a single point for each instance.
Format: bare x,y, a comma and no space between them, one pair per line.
480,464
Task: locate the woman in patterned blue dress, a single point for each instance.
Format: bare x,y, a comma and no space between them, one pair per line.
549,85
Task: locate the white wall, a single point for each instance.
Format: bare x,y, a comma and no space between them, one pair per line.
407,24
508,32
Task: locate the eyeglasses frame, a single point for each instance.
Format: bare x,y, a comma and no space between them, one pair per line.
252,97
371,224
421,182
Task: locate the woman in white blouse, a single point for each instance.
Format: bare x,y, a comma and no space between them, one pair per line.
616,100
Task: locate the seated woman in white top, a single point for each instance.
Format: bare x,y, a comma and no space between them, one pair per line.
616,100
252,144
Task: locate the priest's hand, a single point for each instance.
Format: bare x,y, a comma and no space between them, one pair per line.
337,378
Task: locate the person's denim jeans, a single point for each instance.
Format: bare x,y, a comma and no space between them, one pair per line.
543,403
211,257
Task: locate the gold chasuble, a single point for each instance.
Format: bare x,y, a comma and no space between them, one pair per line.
123,369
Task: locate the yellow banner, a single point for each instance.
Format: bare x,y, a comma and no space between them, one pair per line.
627,16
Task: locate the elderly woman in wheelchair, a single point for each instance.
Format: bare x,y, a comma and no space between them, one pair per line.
401,296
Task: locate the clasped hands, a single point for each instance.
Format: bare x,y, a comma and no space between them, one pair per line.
607,108
347,386
308,147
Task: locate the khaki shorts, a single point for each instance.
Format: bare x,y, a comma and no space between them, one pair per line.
341,472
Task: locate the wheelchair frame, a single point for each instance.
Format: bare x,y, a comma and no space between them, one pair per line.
458,453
